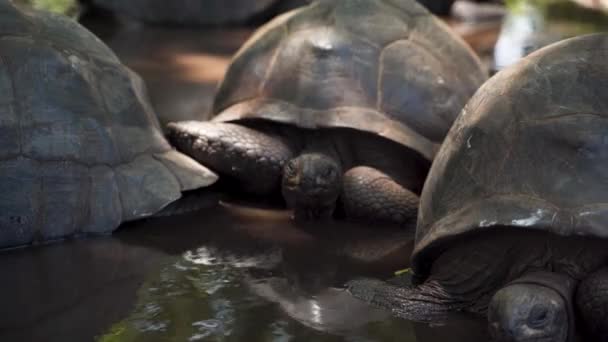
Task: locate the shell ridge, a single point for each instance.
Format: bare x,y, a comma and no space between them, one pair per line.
380,76
273,60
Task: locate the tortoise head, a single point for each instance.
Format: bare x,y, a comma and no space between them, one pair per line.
532,311
311,185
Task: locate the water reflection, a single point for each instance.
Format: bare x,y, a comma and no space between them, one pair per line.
331,310
227,274
70,291
258,283
275,282
183,275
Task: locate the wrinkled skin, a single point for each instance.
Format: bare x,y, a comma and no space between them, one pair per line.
530,287
592,304
516,313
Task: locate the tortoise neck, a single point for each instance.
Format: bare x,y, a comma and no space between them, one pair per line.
433,302
427,302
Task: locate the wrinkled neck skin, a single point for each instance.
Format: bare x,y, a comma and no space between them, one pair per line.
465,277
462,279
474,269
312,181
426,303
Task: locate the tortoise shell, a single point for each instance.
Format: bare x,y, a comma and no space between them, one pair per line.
529,152
81,149
385,67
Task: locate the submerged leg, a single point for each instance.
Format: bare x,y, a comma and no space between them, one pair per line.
369,194
424,303
592,304
254,158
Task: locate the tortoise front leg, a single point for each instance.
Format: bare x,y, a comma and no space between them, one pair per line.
592,304
370,195
254,158
424,303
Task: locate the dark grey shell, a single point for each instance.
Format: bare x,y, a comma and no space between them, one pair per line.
529,151
386,67
80,147
188,12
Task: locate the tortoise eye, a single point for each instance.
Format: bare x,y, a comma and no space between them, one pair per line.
290,168
538,316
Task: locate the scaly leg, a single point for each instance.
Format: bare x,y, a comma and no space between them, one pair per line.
252,157
371,195
592,304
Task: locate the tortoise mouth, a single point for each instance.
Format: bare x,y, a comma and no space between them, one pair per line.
312,180
308,189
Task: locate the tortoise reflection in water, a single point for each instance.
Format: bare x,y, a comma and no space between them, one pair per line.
513,218
338,101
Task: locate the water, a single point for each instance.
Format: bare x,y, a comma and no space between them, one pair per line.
224,274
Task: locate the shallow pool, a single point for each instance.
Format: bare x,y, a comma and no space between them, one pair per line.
225,274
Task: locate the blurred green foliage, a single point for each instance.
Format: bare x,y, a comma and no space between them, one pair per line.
563,17
67,7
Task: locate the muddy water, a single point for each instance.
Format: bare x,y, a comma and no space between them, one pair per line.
225,274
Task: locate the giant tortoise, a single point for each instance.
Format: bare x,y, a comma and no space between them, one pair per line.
514,217
80,147
345,99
